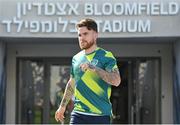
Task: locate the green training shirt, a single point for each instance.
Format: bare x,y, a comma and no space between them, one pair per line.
92,94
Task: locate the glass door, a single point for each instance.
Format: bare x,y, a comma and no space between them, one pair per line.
146,92
41,85
137,99
31,90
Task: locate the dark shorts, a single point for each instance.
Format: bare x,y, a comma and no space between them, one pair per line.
77,118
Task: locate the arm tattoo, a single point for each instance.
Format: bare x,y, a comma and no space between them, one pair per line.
112,78
69,91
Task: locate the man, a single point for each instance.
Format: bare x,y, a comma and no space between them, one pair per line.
93,72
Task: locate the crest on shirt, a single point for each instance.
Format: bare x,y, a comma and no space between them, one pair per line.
94,62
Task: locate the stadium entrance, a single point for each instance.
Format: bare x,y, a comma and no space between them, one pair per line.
41,83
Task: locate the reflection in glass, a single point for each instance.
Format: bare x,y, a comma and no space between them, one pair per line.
31,91
59,77
38,80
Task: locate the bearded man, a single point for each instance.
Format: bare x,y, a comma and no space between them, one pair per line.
94,70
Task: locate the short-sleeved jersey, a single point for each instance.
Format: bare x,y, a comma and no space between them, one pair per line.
92,94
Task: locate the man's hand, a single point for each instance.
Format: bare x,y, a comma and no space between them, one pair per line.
87,66
59,115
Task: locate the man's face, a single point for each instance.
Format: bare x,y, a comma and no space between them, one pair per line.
86,37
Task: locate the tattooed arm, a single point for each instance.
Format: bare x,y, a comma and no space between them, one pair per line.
69,91
113,77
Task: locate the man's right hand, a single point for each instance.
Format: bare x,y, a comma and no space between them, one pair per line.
59,115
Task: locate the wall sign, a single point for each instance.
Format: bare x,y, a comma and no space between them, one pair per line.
47,17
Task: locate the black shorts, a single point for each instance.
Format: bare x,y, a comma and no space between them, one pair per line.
77,118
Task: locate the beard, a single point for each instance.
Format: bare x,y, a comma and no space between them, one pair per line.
86,45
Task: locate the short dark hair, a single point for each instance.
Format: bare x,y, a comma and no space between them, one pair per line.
89,23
